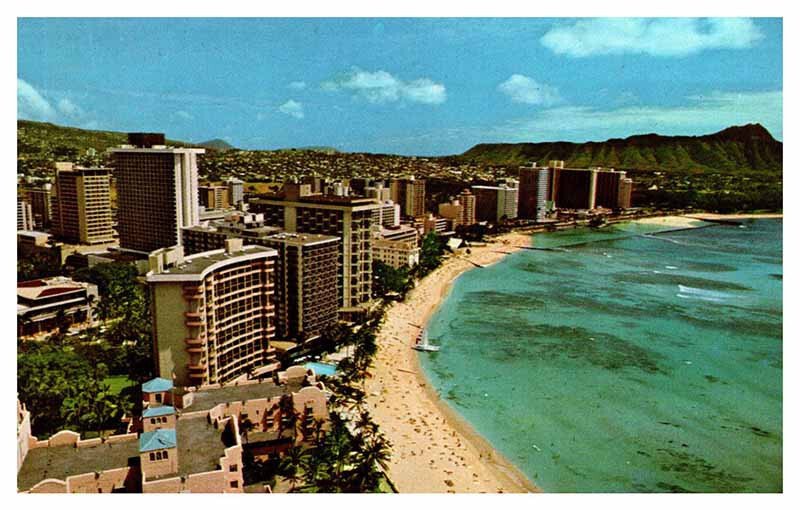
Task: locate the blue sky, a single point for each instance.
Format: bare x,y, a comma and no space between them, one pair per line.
405,86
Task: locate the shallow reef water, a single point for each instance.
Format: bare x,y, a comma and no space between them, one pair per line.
626,360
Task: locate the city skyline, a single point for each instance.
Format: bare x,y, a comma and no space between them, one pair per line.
406,86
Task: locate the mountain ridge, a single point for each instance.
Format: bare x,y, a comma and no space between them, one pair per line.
735,148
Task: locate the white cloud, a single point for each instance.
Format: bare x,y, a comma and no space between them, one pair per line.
425,91
523,89
43,106
292,108
297,85
699,115
32,105
661,37
68,108
184,115
382,87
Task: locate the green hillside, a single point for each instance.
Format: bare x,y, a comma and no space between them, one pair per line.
738,148
39,144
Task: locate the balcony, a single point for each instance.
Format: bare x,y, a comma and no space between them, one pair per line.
192,315
195,349
192,292
199,367
194,323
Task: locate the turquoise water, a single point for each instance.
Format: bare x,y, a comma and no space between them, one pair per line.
623,362
321,368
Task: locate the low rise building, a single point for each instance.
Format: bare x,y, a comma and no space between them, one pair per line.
396,253
47,304
186,440
39,245
399,233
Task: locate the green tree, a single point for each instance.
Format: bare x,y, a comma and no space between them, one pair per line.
289,467
389,279
431,252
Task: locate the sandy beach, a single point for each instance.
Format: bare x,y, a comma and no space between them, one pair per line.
744,216
434,449
671,221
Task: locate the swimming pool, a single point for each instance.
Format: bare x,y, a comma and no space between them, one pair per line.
321,368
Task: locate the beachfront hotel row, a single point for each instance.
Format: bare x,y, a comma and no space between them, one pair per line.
240,284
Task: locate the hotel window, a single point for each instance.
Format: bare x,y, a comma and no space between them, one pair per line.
152,456
233,468
235,484
165,456
152,421
158,455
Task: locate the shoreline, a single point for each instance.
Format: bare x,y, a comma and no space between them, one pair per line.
453,456
434,448
735,216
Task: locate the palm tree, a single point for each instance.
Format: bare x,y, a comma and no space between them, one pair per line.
373,451
288,416
289,467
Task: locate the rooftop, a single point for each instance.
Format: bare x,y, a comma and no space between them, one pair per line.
157,440
300,239
36,289
157,385
200,263
200,445
207,399
152,412
63,461
322,199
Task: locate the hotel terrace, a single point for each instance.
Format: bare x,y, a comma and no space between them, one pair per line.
186,440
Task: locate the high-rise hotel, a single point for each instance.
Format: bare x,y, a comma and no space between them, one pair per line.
297,209
306,300
410,194
156,192
81,207
213,313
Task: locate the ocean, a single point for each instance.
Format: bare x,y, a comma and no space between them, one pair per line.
623,361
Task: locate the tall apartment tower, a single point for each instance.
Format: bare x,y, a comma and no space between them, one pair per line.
467,200
24,216
235,191
213,313
296,209
82,204
306,294
625,191
214,197
40,199
493,203
453,211
575,188
306,299
535,191
410,194
156,192
508,201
